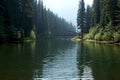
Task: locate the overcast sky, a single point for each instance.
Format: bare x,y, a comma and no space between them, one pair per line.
65,8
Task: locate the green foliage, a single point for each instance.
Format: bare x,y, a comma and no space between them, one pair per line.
119,31
109,13
107,36
47,22
91,35
98,36
33,35
93,31
76,39
12,34
81,17
105,20
88,18
87,36
96,11
2,31
2,27
17,18
116,36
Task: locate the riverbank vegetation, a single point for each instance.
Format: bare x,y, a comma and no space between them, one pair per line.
29,19
99,22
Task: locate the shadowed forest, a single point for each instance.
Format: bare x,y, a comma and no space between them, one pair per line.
29,19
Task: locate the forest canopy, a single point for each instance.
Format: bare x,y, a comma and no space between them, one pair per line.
101,21
21,18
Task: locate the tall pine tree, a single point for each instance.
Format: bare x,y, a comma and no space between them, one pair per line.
96,11
81,17
88,18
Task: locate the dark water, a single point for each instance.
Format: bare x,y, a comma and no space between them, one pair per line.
59,59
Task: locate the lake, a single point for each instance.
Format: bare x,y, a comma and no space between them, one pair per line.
59,59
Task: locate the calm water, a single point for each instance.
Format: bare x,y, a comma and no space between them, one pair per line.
59,59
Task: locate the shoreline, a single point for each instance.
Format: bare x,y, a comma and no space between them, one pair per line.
104,42
95,41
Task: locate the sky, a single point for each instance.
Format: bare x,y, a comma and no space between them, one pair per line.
66,9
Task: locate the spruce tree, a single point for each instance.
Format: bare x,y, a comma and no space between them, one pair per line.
2,20
109,13
96,11
81,17
88,18
28,13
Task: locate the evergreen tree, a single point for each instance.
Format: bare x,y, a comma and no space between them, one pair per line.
2,20
28,17
20,18
96,11
81,17
109,13
88,18
103,19
117,15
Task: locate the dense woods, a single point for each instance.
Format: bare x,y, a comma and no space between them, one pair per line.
101,21
23,19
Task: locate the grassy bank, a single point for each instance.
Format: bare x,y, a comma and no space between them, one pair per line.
76,39
107,35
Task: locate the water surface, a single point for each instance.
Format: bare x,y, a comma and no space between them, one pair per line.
59,59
